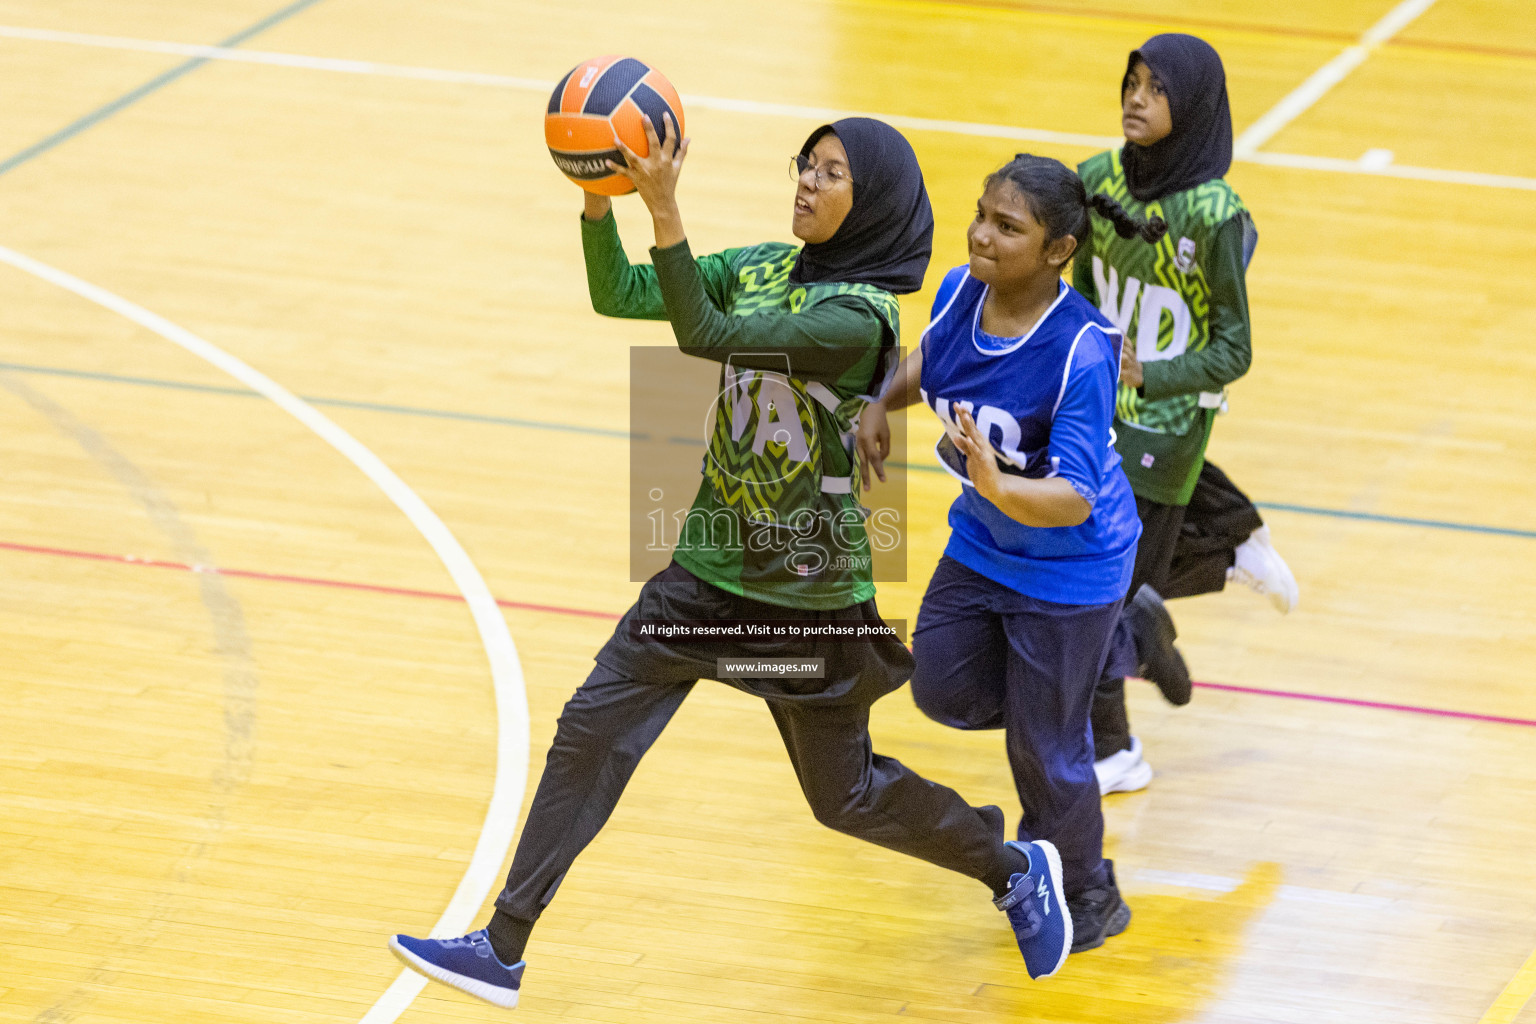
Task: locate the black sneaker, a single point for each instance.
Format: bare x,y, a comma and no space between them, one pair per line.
1161,662
1097,914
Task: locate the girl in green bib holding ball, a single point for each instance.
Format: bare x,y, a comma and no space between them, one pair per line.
801,333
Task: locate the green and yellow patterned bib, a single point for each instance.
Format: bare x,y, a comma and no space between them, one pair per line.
1158,294
779,443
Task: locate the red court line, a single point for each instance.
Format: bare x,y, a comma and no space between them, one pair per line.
312,581
443,595
1381,705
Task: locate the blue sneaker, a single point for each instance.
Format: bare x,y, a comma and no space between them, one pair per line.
468,964
1035,909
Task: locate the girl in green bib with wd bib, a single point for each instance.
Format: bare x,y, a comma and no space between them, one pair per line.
1183,305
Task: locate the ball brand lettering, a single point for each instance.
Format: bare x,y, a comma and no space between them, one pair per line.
577,165
586,165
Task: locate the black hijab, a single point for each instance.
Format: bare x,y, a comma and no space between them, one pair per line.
887,237
1199,148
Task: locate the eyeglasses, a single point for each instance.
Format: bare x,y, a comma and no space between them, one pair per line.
798,165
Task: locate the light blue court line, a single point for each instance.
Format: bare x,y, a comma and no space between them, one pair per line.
113,378
1372,517
1336,513
575,428
154,84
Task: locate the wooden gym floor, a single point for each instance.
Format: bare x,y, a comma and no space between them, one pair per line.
250,722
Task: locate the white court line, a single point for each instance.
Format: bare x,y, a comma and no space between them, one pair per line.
1326,77
1435,174
917,124
287,60
363,67
512,737
970,128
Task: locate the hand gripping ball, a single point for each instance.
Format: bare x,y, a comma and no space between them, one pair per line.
599,99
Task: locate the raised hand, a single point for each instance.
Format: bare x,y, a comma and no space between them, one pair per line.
980,461
655,176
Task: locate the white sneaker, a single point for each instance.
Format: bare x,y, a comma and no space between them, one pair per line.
1259,566
1123,772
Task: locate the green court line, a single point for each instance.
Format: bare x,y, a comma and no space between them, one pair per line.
155,84
575,428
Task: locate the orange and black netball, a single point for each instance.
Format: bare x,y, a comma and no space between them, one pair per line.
601,99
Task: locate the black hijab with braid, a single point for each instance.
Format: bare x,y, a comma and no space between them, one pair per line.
1199,148
1058,201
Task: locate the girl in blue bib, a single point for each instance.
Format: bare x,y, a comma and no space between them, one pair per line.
1016,624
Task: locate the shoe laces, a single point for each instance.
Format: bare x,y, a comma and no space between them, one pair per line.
1248,579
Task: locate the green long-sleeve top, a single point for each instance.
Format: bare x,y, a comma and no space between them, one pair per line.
1183,301
795,361
830,342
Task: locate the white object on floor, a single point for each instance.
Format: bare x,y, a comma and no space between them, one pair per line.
1123,772
1259,566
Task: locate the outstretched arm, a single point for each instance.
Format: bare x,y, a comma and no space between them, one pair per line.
618,288
834,339
597,207
621,289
